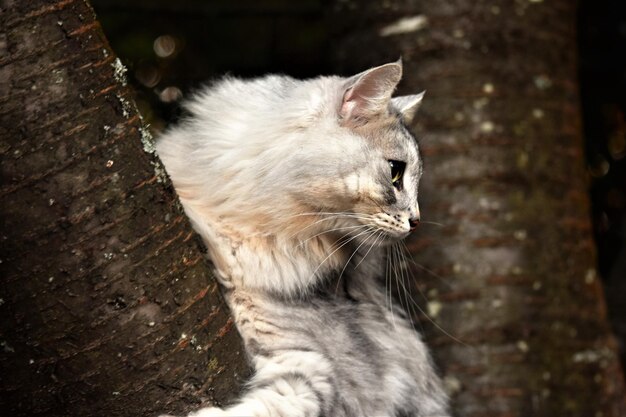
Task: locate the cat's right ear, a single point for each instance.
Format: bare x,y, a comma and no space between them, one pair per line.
368,93
408,105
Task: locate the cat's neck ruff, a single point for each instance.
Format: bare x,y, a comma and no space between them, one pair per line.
289,261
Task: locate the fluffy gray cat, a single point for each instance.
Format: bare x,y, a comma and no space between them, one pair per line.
298,188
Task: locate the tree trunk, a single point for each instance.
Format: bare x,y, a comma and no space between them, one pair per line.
106,304
511,273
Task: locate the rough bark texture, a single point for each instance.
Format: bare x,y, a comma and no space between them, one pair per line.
106,304
512,269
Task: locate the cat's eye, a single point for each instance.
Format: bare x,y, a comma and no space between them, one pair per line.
397,171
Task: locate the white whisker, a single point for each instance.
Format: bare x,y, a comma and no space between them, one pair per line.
422,267
387,267
378,236
410,309
433,223
331,216
350,258
396,263
332,230
333,252
325,213
441,329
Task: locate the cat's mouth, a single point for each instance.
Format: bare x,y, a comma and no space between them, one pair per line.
379,229
391,227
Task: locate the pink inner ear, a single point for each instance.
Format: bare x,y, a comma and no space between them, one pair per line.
367,87
362,99
347,107
371,93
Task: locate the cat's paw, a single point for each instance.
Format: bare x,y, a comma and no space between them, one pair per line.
209,412
203,412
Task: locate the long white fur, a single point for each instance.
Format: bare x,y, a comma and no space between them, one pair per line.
238,136
265,168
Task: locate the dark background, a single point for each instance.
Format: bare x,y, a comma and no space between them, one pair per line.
602,45
173,47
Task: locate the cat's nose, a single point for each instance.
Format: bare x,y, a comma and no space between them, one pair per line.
414,222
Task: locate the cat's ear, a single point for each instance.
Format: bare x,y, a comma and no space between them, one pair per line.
408,105
368,93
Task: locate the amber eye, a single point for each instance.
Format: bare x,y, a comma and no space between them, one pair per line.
397,171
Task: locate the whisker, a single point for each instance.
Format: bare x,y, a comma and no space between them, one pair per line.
397,267
390,277
441,329
331,230
328,213
433,223
410,309
380,234
400,280
350,258
341,246
387,267
422,267
332,216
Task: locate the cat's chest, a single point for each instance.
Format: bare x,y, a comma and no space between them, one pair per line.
372,355
373,358
340,326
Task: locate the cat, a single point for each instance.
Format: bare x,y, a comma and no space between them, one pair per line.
297,187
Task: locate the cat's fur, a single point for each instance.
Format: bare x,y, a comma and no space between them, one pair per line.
289,184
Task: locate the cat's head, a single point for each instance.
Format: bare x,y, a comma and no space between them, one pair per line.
368,165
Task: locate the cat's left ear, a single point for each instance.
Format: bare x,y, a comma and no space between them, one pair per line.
368,93
408,105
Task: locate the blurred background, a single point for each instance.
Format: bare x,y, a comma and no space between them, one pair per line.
173,47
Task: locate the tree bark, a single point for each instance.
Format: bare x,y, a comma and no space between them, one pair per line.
511,273
106,304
